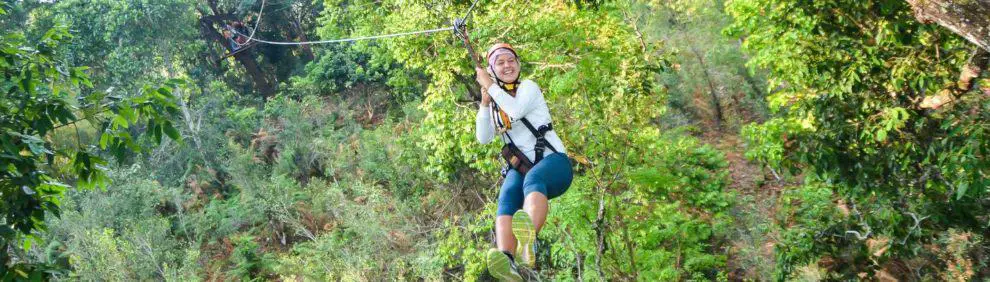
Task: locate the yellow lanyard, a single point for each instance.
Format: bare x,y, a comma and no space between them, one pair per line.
506,122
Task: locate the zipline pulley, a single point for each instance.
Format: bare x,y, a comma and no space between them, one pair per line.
459,30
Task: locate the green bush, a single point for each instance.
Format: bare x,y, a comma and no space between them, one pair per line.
124,233
805,213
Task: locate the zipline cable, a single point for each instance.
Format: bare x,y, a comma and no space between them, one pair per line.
261,15
460,23
355,38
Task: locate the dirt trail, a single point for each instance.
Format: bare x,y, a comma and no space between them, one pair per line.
752,240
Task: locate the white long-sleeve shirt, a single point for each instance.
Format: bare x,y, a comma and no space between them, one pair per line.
528,103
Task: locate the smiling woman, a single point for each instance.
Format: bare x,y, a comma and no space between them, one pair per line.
531,178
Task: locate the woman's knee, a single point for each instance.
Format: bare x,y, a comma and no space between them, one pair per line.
535,198
535,187
510,198
503,221
552,178
509,207
509,202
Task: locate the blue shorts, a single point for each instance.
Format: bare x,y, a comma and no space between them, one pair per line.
551,177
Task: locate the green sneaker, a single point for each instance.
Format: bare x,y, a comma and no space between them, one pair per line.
522,227
501,267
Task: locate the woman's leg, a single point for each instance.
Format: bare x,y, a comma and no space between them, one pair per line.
503,234
510,199
536,206
500,260
547,180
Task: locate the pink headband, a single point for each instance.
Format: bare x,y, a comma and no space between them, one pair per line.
498,52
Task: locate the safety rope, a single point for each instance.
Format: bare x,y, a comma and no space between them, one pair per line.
257,23
467,15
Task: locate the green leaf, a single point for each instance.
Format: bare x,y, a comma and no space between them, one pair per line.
961,190
8,144
165,91
53,208
104,140
85,81
129,114
171,131
27,81
38,148
156,132
27,242
119,121
175,81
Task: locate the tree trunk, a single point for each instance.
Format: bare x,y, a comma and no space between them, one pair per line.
261,81
711,87
474,90
599,227
306,49
208,30
968,19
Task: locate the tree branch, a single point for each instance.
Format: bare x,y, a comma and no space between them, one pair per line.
966,18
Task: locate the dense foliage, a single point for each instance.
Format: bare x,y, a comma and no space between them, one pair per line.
42,106
358,161
852,118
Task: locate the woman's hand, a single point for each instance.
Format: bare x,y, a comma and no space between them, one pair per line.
483,78
486,99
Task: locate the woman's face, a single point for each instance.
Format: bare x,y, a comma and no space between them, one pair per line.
507,68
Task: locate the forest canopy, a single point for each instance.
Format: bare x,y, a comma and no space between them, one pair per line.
188,140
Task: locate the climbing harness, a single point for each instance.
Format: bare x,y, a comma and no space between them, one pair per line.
513,157
511,153
541,140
